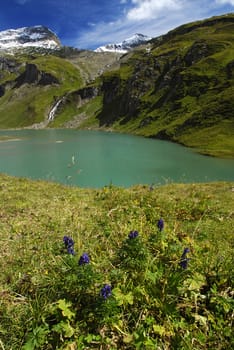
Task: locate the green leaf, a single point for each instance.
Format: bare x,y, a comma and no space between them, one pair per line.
29,345
37,338
123,299
64,307
196,282
202,320
159,329
129,298
127,339
65,328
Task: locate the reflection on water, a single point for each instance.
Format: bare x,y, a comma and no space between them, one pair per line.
95,159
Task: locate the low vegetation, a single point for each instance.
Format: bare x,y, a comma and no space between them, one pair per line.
113,268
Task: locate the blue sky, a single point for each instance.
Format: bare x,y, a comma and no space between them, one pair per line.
88,24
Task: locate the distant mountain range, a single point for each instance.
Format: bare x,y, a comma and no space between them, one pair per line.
126,45
42,37
37,36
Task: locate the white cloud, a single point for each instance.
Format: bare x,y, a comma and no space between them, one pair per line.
225,2
148,9
150,17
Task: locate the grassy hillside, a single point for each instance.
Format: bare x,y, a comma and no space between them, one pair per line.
29,102
180,88
152,298
26,101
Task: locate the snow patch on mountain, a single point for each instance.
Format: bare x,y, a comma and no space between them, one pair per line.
37,36
125,46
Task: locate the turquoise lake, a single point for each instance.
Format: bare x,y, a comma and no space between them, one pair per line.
96,159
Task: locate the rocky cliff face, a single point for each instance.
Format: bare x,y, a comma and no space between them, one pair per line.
163,80
32,75
8,65
122,97
181,86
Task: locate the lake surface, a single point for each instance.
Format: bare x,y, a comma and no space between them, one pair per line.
96,159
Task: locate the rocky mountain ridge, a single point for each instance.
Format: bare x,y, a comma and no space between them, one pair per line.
21,38
126,45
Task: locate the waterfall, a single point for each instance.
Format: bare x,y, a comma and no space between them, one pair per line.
53,110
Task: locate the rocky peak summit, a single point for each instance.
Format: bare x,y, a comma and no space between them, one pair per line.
36,36
126,45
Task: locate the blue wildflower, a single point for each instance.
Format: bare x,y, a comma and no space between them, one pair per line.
106,291
160,224
69,244
70,250
184,260
68,241
84,259
133,234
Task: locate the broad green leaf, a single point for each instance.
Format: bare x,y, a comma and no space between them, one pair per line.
65,328
36,338
29,345
129,298
201,319
196,282
127,339
159,329
123,299
64,307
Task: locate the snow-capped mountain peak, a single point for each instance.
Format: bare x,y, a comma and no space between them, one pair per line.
126,45
36,36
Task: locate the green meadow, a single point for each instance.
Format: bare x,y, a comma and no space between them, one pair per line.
133,290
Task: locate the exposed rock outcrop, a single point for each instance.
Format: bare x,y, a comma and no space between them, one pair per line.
2,90
32,75
77,98
181,84
9,65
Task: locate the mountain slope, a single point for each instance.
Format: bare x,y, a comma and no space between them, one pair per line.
35,79
29,90
181,89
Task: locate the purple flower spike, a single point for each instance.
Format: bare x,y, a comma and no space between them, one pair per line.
70,250
106,291
65,239
160,224
186,250
184,260
133,234
69,244
84,259
68,241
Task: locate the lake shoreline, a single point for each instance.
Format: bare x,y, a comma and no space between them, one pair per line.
216,153
97,158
